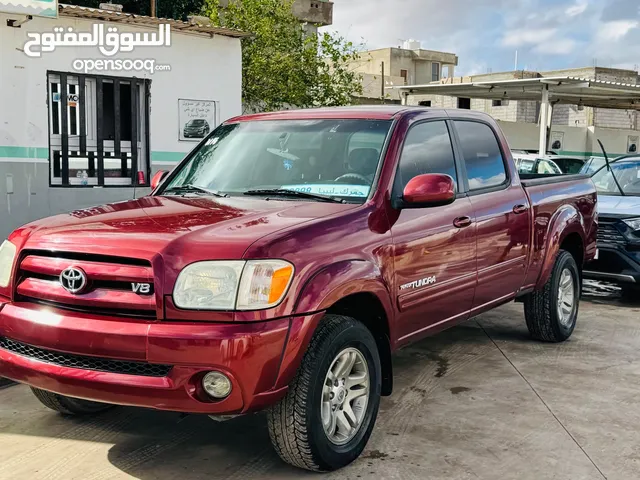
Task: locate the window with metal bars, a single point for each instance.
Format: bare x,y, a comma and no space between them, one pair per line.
98,130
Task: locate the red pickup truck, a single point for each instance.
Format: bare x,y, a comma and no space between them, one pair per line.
282,263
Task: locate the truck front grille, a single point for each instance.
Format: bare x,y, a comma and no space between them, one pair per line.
83,362
609,235
114,286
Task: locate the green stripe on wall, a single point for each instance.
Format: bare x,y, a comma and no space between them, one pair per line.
175,157
24,152
43,153
168,156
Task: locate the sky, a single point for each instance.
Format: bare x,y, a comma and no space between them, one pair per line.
485,34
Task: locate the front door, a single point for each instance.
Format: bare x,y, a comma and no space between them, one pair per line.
501,210
435,248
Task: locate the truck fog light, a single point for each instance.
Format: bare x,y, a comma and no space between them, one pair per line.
216,384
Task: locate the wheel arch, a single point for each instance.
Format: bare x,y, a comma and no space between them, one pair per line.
353,288
367,308
566,231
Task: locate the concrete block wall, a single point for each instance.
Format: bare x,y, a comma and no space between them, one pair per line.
527,111
621,119
570,115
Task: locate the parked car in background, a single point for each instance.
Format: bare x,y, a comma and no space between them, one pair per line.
569,165
619,224
196,128
549,164
281,264
533,164
520,151
592,165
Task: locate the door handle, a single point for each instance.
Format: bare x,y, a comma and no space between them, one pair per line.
518,209
462,222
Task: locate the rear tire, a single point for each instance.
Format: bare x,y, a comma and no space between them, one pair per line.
551,313
68,405
301,425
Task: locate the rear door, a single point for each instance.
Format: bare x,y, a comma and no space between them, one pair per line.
435,248
501,210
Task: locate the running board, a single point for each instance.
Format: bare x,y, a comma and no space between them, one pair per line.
616,277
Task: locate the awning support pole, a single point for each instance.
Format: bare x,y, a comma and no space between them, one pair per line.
544,120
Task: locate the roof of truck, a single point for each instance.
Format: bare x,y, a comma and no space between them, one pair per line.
364,112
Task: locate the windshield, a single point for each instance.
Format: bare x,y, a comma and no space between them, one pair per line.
628,175
336,158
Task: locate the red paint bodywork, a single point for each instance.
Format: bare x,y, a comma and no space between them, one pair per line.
506,248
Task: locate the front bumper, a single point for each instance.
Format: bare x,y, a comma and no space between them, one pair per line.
250,354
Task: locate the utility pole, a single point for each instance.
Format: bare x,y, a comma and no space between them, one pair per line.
153,8
382,84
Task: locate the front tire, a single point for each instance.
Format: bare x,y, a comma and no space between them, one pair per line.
68,405
551,313
325,420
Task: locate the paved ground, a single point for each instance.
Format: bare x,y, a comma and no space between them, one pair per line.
480,401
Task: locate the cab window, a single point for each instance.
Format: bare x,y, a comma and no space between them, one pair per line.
427,149
482,155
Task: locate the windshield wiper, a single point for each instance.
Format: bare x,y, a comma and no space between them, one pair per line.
283,192
615,179
194,189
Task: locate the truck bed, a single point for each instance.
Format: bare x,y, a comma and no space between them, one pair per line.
572,195
535,179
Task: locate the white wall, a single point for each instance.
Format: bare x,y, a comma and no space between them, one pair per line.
202,68
579,141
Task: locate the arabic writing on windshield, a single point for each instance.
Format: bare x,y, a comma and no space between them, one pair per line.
359,191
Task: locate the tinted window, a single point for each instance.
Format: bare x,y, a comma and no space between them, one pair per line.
427,149
482,155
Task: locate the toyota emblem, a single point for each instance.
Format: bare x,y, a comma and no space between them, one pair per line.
73,280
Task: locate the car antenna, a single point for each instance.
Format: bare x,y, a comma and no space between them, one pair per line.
606,159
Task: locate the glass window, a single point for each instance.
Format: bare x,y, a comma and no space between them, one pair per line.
627,173
337,158
435,72
77,164
427,149
482,155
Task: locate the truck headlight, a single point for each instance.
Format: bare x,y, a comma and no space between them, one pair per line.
7,256
233,285
633,223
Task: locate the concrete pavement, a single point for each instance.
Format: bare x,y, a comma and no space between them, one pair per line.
479,401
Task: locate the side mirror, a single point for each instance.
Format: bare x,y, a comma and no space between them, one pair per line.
157,179
429,190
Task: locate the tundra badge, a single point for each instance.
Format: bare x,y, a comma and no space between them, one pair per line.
419,283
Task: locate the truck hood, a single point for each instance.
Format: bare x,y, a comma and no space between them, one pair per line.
185,229
617,205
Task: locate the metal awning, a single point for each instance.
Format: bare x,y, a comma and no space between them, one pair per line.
570,90
145,21
547,90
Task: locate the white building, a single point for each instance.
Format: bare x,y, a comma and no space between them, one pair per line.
65,152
